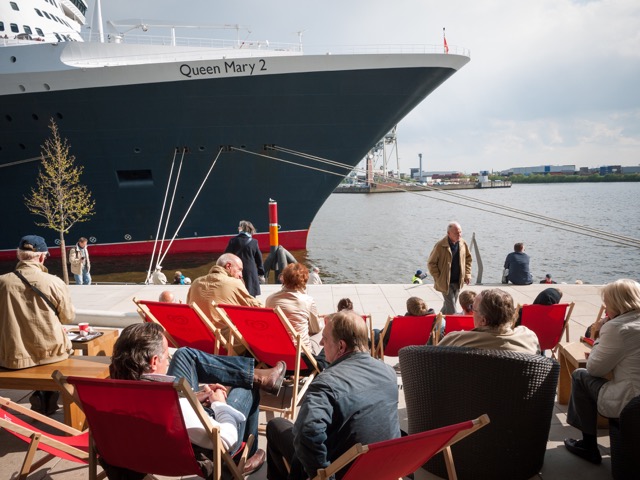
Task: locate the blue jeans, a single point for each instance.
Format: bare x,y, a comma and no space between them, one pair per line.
84,279
198,367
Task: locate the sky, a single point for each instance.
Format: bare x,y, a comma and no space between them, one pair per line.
550,82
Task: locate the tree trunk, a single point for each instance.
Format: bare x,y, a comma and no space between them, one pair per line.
63,259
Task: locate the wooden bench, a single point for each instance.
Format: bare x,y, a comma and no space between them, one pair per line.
39,378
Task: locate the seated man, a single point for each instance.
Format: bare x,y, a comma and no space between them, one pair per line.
142,353
517,262
33,306
223,284
493,316
466,299
355,399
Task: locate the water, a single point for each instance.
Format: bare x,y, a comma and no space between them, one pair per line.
385,238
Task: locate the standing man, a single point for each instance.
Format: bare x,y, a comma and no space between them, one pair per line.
80,264
247,249
353,400
517,262
450,266
33,307
223,284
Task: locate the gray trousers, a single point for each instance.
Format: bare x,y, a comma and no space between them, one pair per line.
583,404
450,300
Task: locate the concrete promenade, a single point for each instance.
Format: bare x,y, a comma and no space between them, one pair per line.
111,306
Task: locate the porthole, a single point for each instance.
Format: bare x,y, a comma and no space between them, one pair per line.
127,237
9,118
22,147
22,88
136,150
59,115
47,87
202,148
93,239
57,241
13,59
35,117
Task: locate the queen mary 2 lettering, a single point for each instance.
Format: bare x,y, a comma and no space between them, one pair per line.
190,71
241,124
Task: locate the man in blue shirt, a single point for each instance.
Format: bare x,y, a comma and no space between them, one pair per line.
518,264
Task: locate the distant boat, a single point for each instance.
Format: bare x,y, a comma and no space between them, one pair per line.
130,112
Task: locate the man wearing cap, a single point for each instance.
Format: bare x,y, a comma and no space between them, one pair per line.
33,307
417,278
158,278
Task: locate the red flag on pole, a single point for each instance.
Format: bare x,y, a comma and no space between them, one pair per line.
444,37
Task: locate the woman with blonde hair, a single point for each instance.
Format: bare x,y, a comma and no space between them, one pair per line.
616,352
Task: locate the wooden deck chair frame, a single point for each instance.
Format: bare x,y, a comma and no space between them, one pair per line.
358,452
298,390
565,326
218,340
184,390
434,329
69,442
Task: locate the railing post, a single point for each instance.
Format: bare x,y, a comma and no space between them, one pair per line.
474,246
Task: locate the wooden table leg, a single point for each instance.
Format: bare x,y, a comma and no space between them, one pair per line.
73,415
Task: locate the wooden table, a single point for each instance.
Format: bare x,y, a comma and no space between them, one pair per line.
570,357
102,345
39,378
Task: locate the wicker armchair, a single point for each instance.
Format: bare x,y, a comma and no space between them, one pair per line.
444,385
624,433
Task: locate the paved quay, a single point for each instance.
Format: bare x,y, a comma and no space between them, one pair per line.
112,306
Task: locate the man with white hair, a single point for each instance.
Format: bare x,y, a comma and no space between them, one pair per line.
33,307
450,266
223,284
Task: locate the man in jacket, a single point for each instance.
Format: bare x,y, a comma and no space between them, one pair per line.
80,263
517,262
223,284
353,400
33,307
450,266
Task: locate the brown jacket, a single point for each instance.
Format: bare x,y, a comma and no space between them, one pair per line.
439,264
30,332
219,287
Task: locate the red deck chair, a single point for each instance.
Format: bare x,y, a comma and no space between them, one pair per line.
185,325
457,323
269,337
71,444
397,458
139,425
408,331
548,322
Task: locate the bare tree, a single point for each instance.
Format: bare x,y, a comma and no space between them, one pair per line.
59,197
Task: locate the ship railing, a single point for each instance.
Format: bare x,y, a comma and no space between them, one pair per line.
384,49
201,42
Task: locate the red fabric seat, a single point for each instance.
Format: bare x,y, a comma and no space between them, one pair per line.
548,322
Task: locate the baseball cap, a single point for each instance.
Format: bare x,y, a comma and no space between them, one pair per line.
33,243
419,272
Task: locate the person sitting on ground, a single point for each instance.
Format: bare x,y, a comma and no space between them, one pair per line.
299,308
616,352
345,304
141,352
547,279
33,306
517,262
158,278
493,316
314,276
466,299
354,400
178,278
167,296
418,277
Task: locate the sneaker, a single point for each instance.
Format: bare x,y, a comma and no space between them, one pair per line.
577,448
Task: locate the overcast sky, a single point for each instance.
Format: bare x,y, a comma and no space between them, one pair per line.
549,82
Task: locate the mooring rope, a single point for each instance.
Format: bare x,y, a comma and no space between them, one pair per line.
525,215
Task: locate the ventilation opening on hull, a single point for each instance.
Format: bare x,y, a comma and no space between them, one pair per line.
135,178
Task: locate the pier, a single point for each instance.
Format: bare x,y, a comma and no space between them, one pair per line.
110,306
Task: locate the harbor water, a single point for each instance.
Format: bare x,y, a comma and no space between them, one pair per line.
385,238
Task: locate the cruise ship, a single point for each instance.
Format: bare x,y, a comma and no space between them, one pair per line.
180,138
